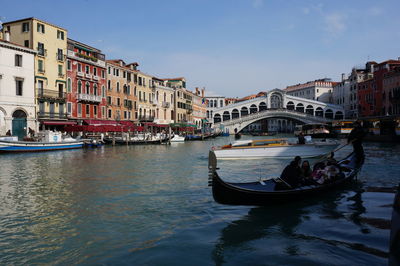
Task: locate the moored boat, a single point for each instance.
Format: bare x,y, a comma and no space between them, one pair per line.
266,192
315,130
52,141
177,138
273,148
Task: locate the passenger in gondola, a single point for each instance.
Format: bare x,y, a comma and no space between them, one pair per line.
292,173
306,174
301,139
356,137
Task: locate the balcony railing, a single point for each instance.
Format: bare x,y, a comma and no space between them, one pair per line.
89,98
61,57
80,74
95,77
146,118
51,94
50,115
42,52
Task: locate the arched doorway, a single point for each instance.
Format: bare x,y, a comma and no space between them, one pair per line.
300,108
329,114
253,109
290,106
310,110
244,111
319,112
262,106
217,118
226,116
338,115
19,124
235,113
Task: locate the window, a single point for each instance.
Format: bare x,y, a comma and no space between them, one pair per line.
87,70
109,84
60,70
109,113
79,67
103,91
79,86
109,100
69,108
109,70
40,48
69,65
103,111
79,109
87,110
68,85
95,71
117,86
95,110
60,35
18,60
118,101
125,115
60,56
40,27
87,88
19,86
95,89
103,74
117,72
25,27
26,43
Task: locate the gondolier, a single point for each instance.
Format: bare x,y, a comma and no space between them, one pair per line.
356,137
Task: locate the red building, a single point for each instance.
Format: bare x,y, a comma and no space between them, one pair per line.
371,92
391,92
86,82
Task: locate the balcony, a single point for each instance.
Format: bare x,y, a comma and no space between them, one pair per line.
41,52
51,94
80,74
165,104
146,118
95,78
61,57
88,76
89,98
49,115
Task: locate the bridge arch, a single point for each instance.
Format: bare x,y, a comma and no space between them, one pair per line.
244,111
300,108
253,109
217,118
235,113
262,106
226,116
290,105
329,113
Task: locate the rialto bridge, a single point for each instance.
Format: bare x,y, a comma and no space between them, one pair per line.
276,104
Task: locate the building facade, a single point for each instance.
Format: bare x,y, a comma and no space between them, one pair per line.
319,90
199,108
391,92
164,99
183,100
213,103
17,89
86,82
50,42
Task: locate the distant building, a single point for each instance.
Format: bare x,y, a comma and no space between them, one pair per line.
199,108
319,90
50,42
214,102
17,89
183,104
371,92
164,99
86,82
391,92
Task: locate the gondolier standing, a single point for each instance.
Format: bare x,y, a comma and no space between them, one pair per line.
356,137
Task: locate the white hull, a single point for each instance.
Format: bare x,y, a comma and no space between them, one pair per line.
176,138
290,151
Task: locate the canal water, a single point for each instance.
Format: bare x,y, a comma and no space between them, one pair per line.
150,205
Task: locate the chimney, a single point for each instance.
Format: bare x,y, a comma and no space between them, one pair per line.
7,36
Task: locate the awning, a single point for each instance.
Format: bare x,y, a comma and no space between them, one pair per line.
99,122
59,123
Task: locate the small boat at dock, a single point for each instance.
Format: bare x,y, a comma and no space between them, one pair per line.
273,148
266,192
51,141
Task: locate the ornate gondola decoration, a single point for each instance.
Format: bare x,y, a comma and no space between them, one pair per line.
264,192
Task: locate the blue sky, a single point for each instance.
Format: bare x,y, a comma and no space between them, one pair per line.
230,47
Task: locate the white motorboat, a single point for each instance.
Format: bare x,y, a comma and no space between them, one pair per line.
274,148
177,138
50,141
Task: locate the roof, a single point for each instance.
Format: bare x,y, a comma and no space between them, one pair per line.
17,46
33,18
83,44
173,79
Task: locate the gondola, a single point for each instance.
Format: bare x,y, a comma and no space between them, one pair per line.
264,192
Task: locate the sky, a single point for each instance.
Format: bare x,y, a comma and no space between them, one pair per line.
232,48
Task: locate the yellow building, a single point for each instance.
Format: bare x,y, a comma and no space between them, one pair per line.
146,97
50,42
199,108
164,98
183,103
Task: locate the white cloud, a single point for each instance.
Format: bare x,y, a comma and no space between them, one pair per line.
258,3
335,24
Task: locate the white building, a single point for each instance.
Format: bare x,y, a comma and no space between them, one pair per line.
17,89
318,90
341,94
213,103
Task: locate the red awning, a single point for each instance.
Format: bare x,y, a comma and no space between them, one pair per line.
59,123
162,125
99,122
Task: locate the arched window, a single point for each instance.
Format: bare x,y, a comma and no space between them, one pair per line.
95,89
217,118
319,112
290,106
87,88
79,86
109,84
310,110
